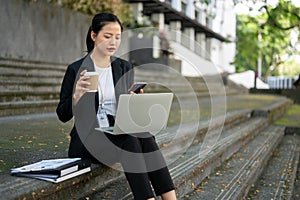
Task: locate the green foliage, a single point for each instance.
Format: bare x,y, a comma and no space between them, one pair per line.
284,16
246,44
288,68
274,26
92,7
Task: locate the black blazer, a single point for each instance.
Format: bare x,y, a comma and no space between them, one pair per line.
85,110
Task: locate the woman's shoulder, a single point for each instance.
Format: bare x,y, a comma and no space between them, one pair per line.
76,65
122,62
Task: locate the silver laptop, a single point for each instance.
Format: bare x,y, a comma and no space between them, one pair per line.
137,113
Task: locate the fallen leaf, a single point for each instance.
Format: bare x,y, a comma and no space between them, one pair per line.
107,195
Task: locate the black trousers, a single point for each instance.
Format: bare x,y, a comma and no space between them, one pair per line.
139,181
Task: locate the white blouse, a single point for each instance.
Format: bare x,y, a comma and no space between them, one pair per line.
106,90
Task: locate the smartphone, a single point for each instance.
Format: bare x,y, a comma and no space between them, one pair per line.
137,86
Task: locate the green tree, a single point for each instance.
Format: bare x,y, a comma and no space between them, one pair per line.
274,25
91,7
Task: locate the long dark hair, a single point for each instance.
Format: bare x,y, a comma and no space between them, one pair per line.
99,20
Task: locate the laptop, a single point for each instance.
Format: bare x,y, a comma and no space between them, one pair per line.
137,113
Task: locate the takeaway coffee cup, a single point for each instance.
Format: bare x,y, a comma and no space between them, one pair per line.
93,80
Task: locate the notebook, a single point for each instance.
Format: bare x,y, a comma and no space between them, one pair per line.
138,113
54,170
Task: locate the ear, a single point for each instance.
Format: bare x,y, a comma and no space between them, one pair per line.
93,36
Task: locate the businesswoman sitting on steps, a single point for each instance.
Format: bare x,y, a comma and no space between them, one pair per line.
115,78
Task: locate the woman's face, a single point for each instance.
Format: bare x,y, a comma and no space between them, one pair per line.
108,39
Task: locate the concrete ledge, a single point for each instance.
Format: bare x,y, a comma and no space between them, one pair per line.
27,107
26,104
292,130
16,95
273,111
26,64
293,94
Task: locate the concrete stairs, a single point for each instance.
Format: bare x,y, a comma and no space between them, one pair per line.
251,159
223,158
234,178
279,176
265,168
185,87
29,87
231,165
101,177
33,87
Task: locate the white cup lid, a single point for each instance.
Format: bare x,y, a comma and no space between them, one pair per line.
91,74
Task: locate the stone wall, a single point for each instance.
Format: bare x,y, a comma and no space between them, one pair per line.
42,32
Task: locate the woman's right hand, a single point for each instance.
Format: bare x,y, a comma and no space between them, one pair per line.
81,87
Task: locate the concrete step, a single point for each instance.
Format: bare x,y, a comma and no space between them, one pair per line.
233,178
168,84
16,95
27,107
23,75
30,85
278,178
19,71
231,119
175,87
116,190
177,82
30,80
31,65
195,160
275,110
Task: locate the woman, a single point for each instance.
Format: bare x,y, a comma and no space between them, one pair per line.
115,78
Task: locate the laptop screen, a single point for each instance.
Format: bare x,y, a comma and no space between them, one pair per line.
148,112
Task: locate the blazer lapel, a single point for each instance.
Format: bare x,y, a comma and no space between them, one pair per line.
88,63
117,70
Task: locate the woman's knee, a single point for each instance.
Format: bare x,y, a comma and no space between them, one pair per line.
132,144
149,144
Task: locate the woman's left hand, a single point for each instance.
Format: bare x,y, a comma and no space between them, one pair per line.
141,92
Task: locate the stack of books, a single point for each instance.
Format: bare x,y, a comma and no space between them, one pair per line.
54,170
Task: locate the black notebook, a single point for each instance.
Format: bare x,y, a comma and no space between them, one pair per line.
54,170
56,178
